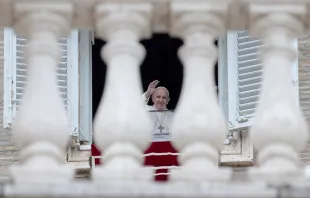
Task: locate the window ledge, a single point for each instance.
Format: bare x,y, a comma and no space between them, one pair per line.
85,147
243,158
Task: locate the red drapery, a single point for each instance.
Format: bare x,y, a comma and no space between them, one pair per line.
155,147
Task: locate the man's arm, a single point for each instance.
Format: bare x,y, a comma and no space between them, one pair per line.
146,97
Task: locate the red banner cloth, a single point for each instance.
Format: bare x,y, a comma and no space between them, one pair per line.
156,161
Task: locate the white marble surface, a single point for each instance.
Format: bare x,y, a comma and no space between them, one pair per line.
142,189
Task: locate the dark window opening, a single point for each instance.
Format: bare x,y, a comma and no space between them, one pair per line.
161,63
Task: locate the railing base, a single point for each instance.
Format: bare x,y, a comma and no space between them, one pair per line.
220,174
256,174
103,174
139,189
22,174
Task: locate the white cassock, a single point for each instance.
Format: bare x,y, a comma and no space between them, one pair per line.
161,123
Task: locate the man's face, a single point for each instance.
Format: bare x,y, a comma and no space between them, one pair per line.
160,99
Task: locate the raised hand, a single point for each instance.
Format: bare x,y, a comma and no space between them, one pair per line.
151,88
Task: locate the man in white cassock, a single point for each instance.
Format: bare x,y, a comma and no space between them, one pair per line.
161,118
159,113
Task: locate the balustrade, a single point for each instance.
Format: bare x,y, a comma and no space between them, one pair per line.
279,131
41,128
121,125
198,127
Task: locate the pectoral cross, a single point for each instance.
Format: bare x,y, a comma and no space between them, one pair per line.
160,128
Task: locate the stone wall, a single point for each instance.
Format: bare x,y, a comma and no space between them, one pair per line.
304,86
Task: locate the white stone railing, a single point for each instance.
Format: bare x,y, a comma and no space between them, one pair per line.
40,129
153,168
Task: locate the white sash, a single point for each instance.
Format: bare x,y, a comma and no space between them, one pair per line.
161,126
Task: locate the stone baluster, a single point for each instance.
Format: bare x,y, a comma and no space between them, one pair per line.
41,128
279,130
122,125
198,128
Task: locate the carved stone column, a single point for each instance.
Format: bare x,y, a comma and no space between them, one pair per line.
122,125
279,130
198,129
41,128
